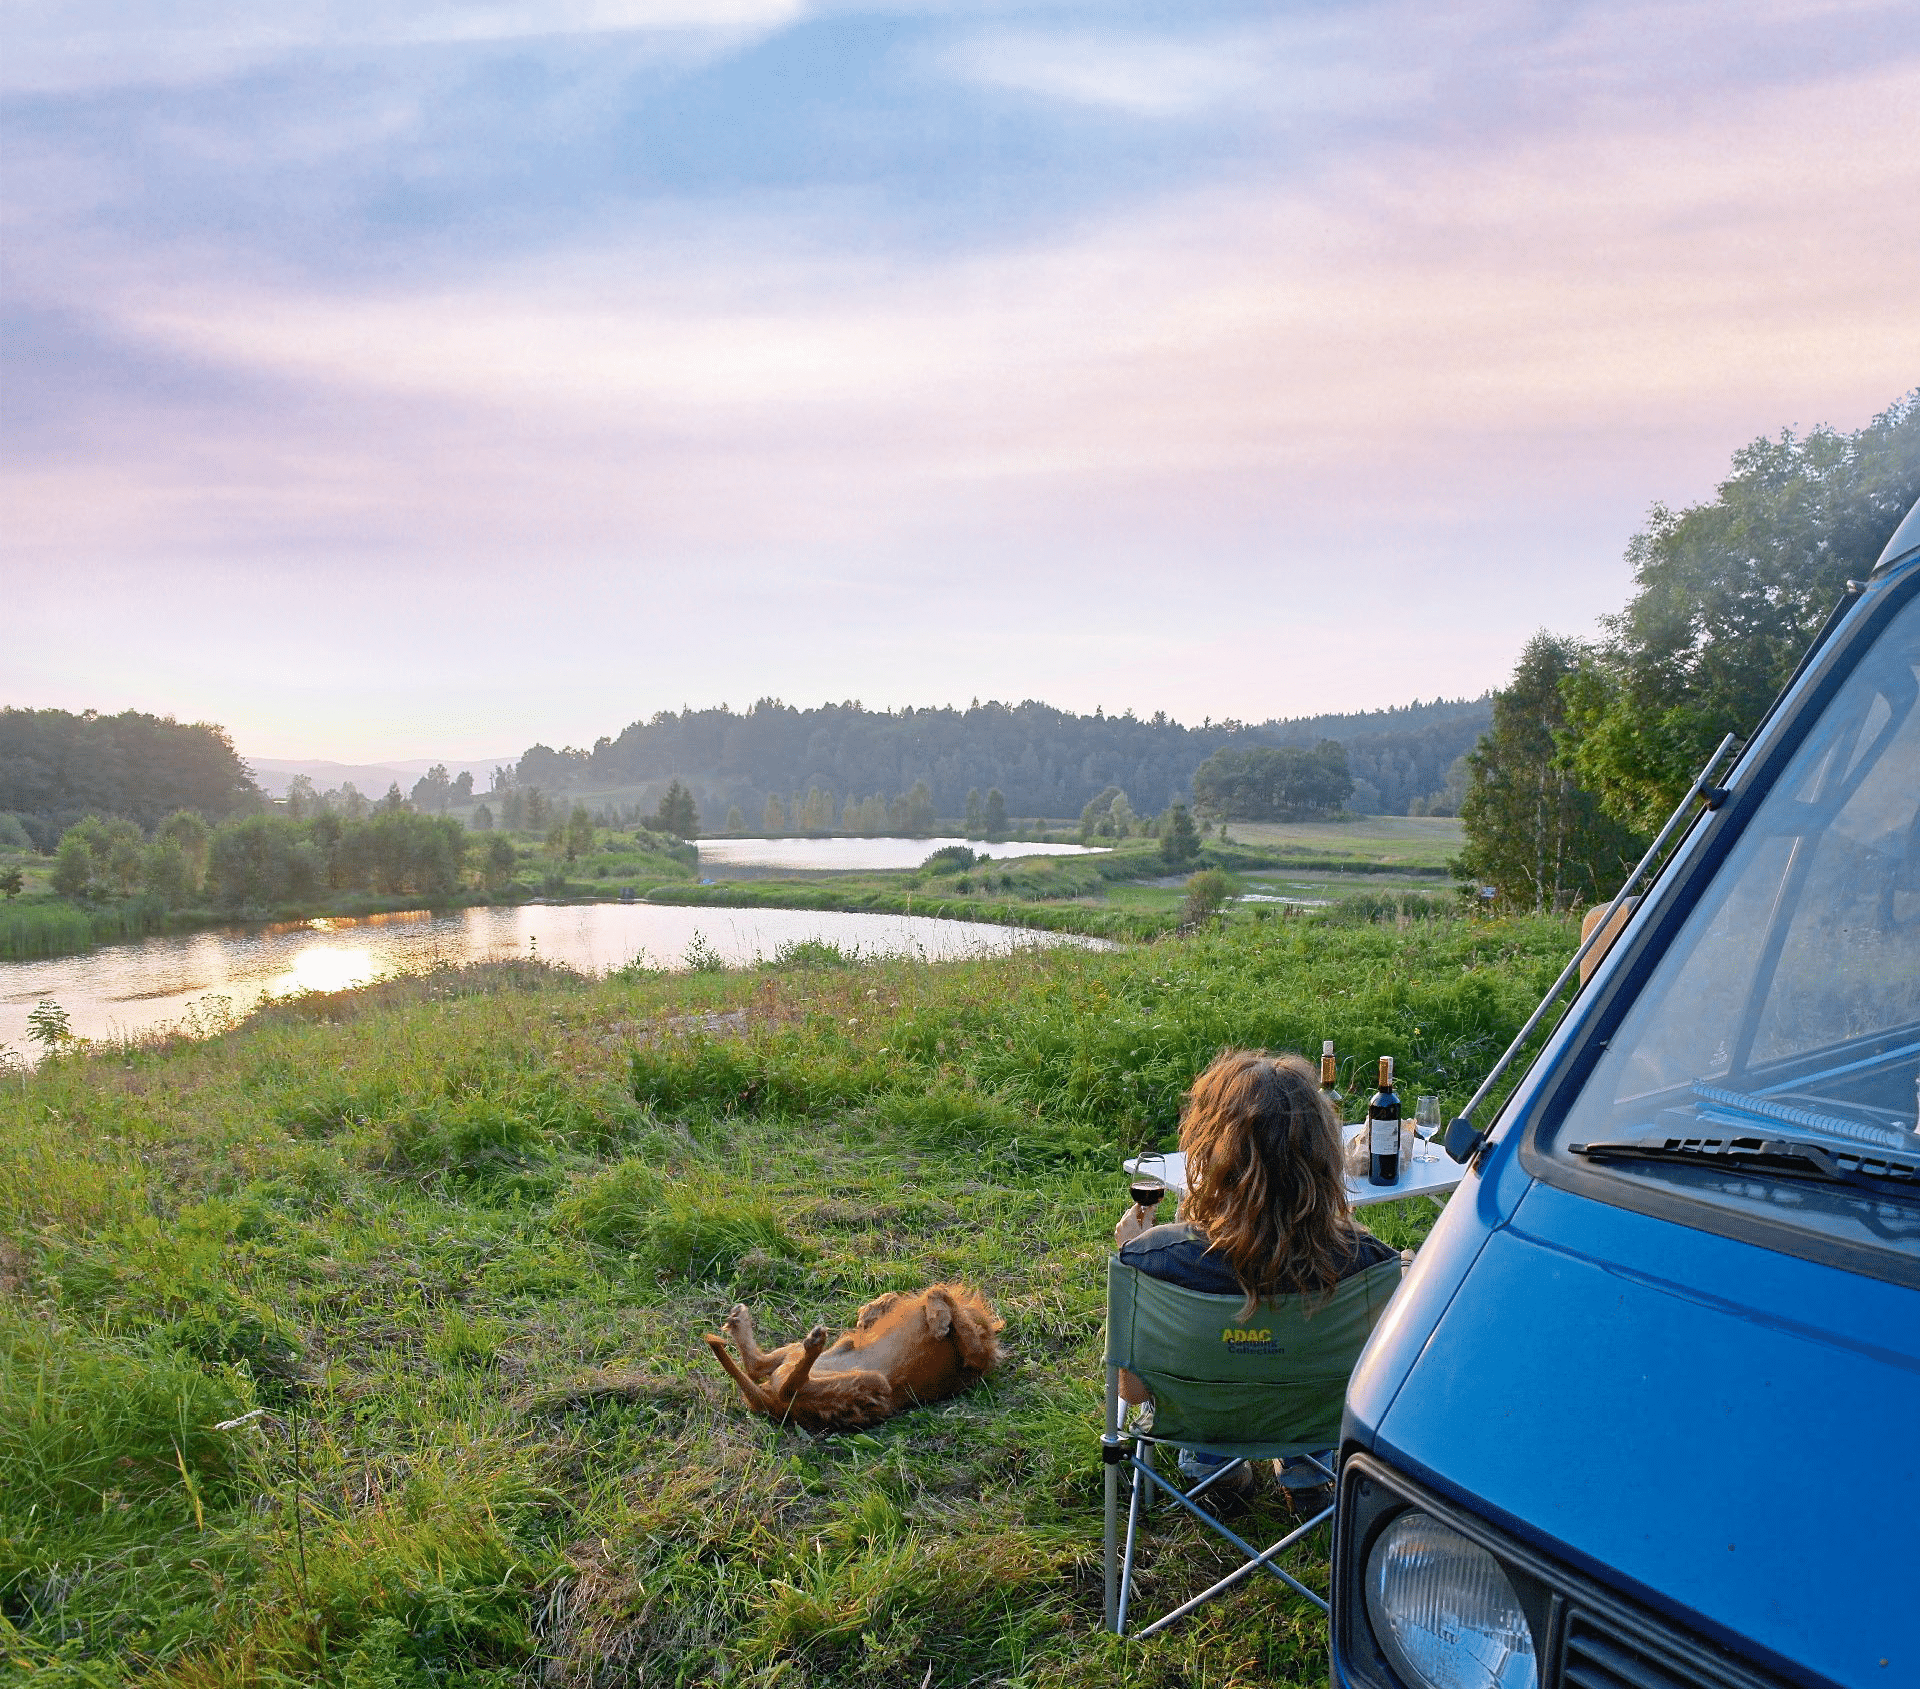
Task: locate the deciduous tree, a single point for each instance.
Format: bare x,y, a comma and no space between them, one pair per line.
997,823
1533,833
1726,597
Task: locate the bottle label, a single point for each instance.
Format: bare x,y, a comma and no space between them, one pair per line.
1385,1138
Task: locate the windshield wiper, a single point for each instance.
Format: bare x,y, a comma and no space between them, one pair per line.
1784,1158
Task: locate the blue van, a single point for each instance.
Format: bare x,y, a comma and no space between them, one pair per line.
1646,1412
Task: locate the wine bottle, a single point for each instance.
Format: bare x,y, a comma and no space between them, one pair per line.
1383,1130
1330,1077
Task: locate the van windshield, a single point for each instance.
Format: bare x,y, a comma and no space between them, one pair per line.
1788,1007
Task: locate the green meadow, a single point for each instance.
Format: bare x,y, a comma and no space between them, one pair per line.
361,1345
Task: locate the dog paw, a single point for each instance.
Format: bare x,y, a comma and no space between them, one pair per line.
717,1344
816,1340
738,1317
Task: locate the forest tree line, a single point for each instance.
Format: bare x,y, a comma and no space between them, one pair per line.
1043,761
1593,744
57,767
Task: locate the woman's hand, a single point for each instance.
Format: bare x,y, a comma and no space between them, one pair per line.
1132,1223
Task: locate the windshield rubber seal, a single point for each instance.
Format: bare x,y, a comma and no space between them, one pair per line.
1543,1099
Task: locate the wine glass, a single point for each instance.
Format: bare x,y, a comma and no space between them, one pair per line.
1146,1191
1426,1123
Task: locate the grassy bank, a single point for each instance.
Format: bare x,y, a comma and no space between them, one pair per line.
54,927
457,1237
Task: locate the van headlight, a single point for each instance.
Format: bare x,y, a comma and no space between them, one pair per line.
1444,1613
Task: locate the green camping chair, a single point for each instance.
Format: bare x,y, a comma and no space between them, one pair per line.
1265,1386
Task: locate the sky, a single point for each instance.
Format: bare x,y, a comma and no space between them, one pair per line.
431,379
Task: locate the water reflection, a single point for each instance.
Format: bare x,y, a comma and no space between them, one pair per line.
123,989
318,968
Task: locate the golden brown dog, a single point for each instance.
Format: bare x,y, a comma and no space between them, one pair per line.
902,1350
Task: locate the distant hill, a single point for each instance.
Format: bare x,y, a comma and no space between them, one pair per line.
1046,761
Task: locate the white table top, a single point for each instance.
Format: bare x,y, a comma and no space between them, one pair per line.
1417,1178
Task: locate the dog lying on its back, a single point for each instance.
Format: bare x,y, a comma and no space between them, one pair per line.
902,1350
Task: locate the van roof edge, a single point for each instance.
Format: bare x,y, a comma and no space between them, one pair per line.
1905,541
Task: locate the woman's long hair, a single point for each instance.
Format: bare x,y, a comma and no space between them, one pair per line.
1264,1174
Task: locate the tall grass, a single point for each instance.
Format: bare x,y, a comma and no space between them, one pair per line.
457,1238
31,931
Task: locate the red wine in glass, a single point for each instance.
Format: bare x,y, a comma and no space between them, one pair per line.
1146,1190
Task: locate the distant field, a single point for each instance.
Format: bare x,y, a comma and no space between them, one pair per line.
1419,841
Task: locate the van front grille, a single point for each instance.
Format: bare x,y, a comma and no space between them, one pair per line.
1597,1656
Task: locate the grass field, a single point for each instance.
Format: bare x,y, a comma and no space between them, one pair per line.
1412,841
457,1238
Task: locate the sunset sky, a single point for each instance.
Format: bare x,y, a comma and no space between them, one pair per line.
402,380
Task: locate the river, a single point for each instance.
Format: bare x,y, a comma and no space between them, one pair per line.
205,978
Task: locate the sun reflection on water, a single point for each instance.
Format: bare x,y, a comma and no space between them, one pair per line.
322,967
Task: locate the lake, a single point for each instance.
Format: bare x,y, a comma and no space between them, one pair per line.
122,989
851,855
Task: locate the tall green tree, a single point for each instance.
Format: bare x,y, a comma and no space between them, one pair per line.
1179,844
1274,782
677,814
1727,596
1533,833
997,826
73,866
166,874
433,791
191,833
496,861
976,814
579,832
773,816
913,812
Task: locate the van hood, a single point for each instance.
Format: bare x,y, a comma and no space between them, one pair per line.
1721,1432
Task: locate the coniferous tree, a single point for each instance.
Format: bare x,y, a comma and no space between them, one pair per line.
1179,844
676,814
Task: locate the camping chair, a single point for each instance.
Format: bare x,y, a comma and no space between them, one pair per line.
1263,1386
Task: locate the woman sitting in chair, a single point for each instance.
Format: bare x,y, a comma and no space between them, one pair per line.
1265,1212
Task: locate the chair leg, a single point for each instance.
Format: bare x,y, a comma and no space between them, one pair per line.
1133,1537
1256,1559
1110,1457
1261,1562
